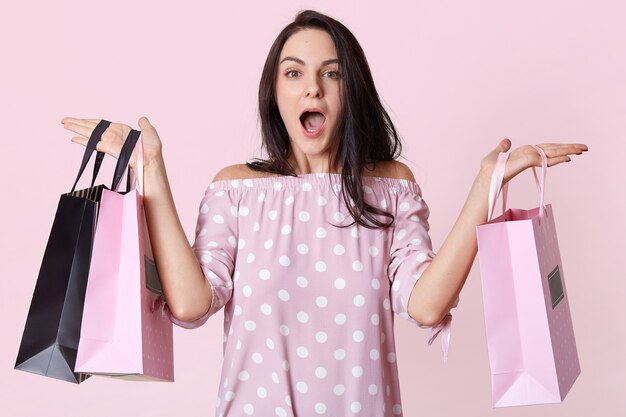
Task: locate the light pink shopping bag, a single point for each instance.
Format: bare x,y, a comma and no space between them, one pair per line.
530,338
122,333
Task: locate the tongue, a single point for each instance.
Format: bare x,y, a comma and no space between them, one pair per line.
313,121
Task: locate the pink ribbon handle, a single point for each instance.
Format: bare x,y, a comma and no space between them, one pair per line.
445,328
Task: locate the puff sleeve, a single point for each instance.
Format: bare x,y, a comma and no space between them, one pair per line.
215,247
410,249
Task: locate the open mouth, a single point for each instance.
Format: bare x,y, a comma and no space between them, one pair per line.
312,122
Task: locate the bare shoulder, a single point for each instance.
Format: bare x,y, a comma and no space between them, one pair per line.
391,169
239,171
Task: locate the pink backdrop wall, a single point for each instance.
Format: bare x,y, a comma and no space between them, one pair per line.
456,77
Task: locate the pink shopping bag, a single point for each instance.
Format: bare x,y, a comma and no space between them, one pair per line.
122,333
530,338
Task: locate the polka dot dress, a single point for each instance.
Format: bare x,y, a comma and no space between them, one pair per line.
308,307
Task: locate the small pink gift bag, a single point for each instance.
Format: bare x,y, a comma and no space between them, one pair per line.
530,338
124,332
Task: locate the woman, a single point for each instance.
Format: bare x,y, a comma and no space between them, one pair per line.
310,281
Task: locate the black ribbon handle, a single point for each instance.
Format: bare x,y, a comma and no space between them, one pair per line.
91,146
124,159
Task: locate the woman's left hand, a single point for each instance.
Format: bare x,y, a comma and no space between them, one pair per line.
526,156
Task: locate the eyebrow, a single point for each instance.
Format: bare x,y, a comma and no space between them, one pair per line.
301,62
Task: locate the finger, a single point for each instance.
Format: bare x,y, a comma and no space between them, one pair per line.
556,161
100,146
80,127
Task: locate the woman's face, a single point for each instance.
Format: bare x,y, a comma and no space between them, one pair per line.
308,94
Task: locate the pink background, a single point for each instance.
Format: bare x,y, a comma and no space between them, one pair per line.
456,77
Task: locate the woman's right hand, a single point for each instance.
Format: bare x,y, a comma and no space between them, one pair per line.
114,136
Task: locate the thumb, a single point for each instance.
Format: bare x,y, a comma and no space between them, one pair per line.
144,124
504,145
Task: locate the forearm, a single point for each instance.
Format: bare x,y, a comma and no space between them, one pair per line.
435,293
186,290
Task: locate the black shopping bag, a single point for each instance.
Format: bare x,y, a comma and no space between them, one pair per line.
52,330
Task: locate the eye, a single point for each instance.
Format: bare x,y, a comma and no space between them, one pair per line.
331,74
291,73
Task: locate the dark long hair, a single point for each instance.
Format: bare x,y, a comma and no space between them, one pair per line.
365,132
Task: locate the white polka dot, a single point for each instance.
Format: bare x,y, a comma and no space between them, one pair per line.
257,357
339,389
357,371
278,185
321,201
284,260
238,310
284,330
320,266
268,244
375,283
266,309
357,266
355,407
386,304
289,200
212,244
320,372
321,301
320,408
248,182
202,232
264,274
261,392
404,206
303,317
421,257
283,295
248,409
340,354
250,258
275,377
374,354
358,336
302,352
261,197
247,291
383,203
303,249
339,249
397,409
233,210
285,365
234,183
307,186
256,227
372,389
373,250
207,257
286,229
340,318
321,337
320,232
355,232
243,375
270,343
232,241
272,214
302,282
218,219
337,187
204,209
391,357
229,395
416,241
302,387
401,233
396,285
304,216
375,319
359,300
338,216
250,325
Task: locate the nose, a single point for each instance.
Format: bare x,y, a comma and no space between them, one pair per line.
313,89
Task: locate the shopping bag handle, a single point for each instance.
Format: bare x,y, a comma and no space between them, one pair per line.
498,176
91,146
124,158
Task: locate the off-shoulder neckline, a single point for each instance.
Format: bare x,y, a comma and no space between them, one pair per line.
317,178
